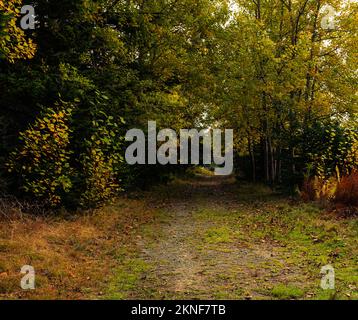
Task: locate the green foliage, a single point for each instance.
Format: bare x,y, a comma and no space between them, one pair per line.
13,43
50,168
42,160
331,149
287,89
275,80
101,161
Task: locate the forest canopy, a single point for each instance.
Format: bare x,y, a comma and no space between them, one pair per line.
281,73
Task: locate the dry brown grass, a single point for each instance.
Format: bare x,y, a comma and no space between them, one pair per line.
318,189
73,258
347,191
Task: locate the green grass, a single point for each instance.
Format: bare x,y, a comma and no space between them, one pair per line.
218,235
303,234
126,278
284,292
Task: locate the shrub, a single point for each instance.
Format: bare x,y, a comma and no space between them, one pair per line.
308,191
317,188
101,162
41,162
347,191
63,160
331,147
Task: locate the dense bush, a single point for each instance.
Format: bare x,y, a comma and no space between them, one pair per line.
331,148
101,162
341,192
41,162
49,167
316,188
331,152
347,191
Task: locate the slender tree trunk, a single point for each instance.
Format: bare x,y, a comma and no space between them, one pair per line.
253,160
272,162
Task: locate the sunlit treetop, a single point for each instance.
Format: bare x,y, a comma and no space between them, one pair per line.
13,42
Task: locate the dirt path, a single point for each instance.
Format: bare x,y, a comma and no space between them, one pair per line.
213,238
192,250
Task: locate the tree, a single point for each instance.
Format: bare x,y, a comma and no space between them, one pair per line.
13,42
281,74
